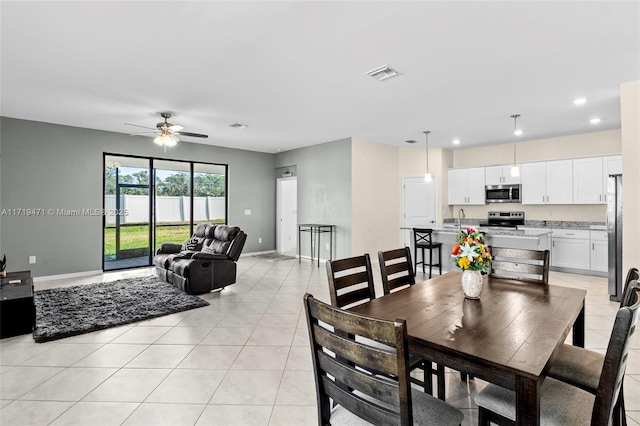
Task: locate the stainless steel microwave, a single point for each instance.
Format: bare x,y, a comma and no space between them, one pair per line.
502,193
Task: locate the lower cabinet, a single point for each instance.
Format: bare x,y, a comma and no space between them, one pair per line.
580,249
569,250
599,251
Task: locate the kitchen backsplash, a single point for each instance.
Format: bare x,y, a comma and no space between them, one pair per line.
549,212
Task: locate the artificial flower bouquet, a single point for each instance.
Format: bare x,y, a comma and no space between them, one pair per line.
469,253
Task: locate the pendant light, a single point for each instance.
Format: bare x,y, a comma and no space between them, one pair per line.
515,169
427,175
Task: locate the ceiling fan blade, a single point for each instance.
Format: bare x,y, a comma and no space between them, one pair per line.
143,133
136,125
193,135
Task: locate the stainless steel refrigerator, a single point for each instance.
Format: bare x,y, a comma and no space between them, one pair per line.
614,230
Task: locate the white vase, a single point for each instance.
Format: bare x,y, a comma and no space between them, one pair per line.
472,283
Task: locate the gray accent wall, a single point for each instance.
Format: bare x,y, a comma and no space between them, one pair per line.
324,191
45,166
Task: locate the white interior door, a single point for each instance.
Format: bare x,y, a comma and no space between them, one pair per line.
287,214
419,205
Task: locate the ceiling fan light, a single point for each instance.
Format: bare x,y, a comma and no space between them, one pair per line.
171,140
176,127
159,140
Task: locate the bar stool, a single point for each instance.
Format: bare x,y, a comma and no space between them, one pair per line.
422,241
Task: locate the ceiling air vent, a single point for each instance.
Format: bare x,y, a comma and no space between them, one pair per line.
411,141
382,73
238,125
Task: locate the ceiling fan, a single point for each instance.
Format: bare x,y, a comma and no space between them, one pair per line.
167,132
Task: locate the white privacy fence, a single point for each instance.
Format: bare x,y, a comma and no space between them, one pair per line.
168,209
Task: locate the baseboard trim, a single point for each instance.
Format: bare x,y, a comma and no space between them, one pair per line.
67,276
255,253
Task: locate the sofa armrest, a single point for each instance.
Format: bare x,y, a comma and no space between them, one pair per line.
169,248
209,256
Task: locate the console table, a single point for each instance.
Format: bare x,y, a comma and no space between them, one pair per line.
17,309
317,230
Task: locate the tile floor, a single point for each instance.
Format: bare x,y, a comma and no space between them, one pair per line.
243,360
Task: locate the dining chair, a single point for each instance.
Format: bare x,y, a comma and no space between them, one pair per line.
397,273
351,284
350,281
564,404
422,240
520,264
581,367
368,384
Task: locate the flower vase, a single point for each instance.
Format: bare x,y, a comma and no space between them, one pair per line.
472,283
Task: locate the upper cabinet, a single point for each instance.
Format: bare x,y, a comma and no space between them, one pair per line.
466,186
500,175
590,178
588,181
547,182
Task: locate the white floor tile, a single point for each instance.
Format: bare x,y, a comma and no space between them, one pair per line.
32,412
150,414
128,385
96,414
188,387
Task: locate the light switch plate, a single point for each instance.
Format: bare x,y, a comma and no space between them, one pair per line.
32,259
247,212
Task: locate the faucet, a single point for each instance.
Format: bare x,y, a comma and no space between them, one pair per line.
460,216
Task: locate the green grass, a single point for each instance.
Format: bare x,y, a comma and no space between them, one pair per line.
136,237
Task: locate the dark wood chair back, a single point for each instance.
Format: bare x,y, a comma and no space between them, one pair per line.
615,359
383,399
519,264
350,281
396,269
422,237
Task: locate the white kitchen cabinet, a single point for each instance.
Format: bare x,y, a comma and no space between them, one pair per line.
599,251
547,182
588,182
571,249
500,175
611,165
466,186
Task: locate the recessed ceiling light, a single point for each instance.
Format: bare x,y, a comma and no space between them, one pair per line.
239,126
594,120
456,142
517,132
580,101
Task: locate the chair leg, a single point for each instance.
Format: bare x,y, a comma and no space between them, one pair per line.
428,379
430,261
441,384
440,259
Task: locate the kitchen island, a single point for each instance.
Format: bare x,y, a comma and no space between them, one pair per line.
531,239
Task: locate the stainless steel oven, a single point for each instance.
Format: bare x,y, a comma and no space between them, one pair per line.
502,193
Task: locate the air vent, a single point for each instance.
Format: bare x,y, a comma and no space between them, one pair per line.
238,125
382,73
411,141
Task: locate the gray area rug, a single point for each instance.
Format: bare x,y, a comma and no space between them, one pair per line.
275,257
69,311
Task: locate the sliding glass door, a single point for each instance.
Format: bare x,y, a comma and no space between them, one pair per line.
150,201
127,216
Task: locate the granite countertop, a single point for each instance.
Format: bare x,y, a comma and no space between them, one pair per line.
542,224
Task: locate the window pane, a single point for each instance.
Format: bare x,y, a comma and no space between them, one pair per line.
210,193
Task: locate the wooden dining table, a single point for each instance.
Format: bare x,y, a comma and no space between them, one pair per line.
508,337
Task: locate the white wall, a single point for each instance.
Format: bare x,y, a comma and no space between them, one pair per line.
630,116
375,199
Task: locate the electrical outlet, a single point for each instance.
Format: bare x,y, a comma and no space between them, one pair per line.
259,240
32,259
247,212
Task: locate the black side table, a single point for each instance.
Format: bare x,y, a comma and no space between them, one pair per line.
17,309
316,229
